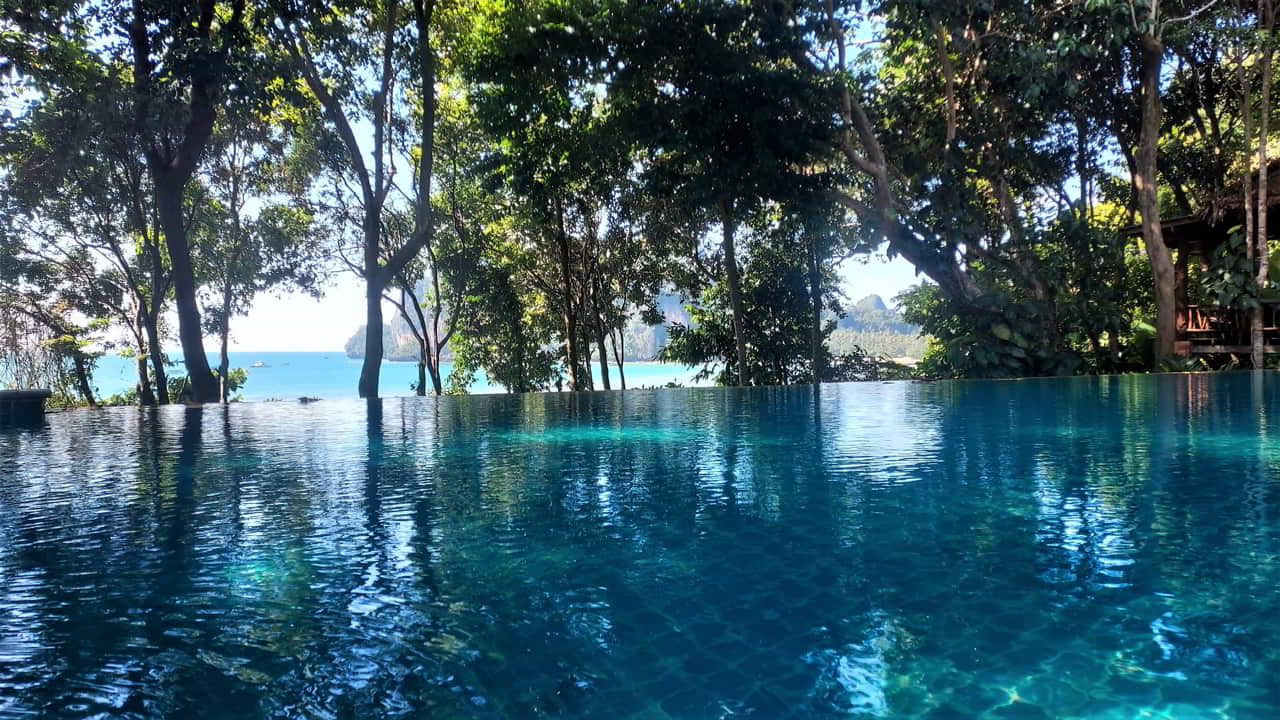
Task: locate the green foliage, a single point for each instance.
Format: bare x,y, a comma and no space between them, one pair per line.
180,389
778,307
503,336
1231,279
590,155
999,342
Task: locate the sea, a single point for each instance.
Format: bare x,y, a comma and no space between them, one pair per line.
291,375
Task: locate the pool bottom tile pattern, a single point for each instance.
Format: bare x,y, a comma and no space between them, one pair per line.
1080,548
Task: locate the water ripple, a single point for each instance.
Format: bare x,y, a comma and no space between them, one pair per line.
1090,547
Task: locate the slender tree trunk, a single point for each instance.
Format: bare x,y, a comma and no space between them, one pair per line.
1250,240
570,318
146,396
224,336
522,383
437,375
1083,171
422,372
600,347
1246,103
735,290
151,312
204,389
159,373
1148,198
1266,17
430,354
604,360
1131,161
224,365
436,346
82,378
815,300
588,377
617,341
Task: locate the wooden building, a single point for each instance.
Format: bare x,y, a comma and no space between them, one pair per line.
1194,238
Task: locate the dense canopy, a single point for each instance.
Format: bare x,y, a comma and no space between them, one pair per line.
521,183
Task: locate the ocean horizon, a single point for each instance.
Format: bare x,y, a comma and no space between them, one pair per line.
291,375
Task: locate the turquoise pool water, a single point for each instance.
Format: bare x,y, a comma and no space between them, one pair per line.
1084,548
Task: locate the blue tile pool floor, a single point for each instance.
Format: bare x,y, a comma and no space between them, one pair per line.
1078,548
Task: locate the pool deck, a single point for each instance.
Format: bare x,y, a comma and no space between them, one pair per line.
22,406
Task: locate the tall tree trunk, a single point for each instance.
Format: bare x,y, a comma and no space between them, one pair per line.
437,375
815,301
204,389
735,289
1266,17
436,345
429,348
604,360
171,165
570,318
1083,172
522,384
159,289
82,379
224,336
617,340
371,368
600,348
159,373
588,377
1148,197
146,396
1250,240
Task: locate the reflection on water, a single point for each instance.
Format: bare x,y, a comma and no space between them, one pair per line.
1091,547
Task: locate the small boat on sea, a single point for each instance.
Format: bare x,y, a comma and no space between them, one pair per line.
259,364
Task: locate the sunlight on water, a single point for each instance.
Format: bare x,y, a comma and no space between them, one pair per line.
1101,548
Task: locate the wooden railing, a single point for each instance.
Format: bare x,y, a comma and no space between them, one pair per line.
1212,325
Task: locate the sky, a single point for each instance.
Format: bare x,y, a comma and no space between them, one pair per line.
300,323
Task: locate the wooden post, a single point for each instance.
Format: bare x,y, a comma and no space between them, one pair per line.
1180,290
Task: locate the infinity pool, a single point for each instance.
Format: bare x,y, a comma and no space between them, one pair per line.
1085,548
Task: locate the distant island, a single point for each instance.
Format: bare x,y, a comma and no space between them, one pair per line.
872,325
869,324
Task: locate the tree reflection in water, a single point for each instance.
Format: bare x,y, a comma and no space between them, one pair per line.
1070,547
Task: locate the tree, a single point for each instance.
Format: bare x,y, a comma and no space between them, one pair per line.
79,188
244,252
786,307
726,121
51,310
1266,19
534,83
1149,31
352,59
956,132
185,57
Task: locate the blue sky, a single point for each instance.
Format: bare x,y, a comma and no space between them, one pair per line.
301,323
